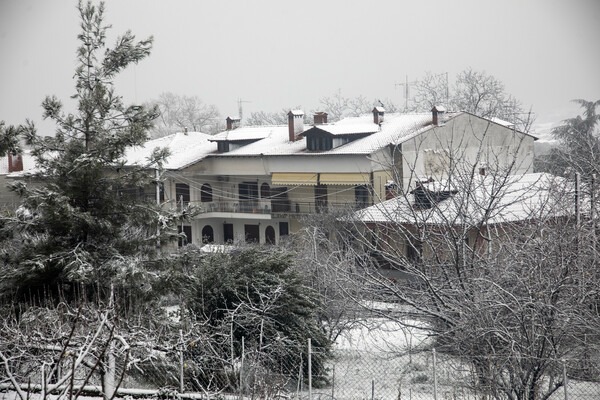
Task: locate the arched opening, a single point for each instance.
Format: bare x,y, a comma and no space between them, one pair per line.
265,191
208,234
206,193
270,235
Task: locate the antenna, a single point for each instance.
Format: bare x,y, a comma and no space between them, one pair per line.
407,84
240,112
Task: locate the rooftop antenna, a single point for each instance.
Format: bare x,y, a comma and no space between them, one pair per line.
407,84
240,113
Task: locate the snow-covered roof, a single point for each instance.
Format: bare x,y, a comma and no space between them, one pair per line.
186,149
502,122
349,126
396,129
483,199
247,133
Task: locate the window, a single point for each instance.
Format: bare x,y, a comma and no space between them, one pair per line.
252,233
319,143
414,250
187,230
228,233
208,234
223,147
279,199
321,198
265,191
361,196
248,192
182,192
284,229
270,235
206,193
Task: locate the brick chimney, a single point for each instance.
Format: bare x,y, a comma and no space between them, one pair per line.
15,163
437,113
320,118
232,123
378,113
295,124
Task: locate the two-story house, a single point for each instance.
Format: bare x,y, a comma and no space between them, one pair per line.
254,183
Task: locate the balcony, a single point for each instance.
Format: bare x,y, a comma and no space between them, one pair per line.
270,207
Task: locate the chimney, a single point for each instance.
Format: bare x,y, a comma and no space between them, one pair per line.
232,123
15,163
437,115
295,124
378,113
320,118
482,168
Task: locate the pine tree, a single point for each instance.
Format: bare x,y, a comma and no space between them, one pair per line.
88,222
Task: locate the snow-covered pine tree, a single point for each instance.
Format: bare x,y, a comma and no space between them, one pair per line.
87,223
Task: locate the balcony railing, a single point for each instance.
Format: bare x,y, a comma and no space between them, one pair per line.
273,207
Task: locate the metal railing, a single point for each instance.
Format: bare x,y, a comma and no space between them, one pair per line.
271,207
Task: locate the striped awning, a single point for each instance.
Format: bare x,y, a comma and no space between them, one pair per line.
294,179
345,179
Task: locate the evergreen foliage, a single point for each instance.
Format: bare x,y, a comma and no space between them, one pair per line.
255,294
85,220
579,149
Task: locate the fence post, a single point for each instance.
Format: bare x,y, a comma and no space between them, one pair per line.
309,370
565,379
333,382
434,376
372,389
181,348
242,367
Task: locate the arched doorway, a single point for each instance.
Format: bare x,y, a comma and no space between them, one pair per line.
270,235
208,234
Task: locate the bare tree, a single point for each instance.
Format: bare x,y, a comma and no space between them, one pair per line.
496,266
473,91
179,113
338,106
268,118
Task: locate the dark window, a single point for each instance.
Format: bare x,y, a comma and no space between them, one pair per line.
321,198
270,235
414,250
208,234
252,233
248,192
182,192
284,229
187,230
228,233
223,147
279,199
265,191
361,196
319,143
206,193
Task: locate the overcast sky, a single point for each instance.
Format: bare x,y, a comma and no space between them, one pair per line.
278,54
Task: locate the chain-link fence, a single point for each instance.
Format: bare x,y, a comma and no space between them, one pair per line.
256,371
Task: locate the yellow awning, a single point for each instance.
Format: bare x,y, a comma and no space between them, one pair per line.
294,179
345,179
